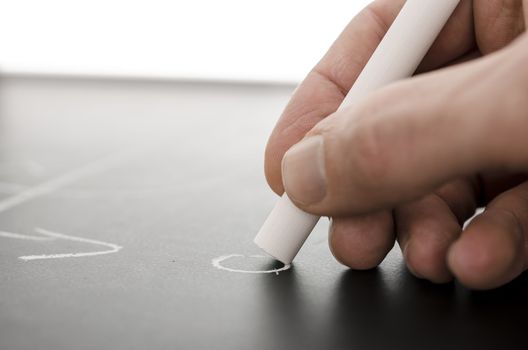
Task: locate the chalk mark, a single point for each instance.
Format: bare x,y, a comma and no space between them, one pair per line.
98,166
25,237
217,262
132,191
50,236
52,185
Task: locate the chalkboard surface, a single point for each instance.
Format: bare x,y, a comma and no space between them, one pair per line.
127,213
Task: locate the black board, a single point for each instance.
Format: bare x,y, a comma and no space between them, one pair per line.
150,182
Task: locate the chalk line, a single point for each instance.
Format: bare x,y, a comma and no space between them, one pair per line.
217,262
25,237
50,236
114,248
47,187
98,166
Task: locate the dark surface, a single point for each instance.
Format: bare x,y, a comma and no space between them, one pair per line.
187,189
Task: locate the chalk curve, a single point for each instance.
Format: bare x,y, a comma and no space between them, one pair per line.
217,262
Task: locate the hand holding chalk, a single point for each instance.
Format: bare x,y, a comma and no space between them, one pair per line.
397,57
413,160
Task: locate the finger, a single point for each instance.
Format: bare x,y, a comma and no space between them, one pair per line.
323,90
497,23
317,97
456,39
493,249
408,139
362,242
427,227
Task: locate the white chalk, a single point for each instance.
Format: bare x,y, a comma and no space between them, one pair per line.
217,262
397,56
50,236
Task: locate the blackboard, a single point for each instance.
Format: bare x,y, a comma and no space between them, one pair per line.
118,197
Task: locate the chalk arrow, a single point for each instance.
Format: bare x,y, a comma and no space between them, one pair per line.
50,236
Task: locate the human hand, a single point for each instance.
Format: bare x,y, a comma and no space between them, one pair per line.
414,160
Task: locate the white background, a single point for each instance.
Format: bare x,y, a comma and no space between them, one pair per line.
267,40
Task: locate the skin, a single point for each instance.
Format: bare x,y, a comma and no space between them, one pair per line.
414,160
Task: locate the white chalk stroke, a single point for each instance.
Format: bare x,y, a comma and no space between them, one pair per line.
51,236
217,262
99,166
27,194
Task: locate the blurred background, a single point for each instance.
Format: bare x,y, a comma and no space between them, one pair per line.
235,40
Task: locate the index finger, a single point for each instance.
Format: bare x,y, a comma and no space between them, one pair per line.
323,90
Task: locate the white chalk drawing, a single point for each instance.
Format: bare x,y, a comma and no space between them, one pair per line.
217,262
52,185
50,236
25,237
134,190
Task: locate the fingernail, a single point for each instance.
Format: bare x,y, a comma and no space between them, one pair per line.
303,171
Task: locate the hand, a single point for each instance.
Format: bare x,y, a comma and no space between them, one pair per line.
414,160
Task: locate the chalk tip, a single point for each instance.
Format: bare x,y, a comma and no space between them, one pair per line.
267,250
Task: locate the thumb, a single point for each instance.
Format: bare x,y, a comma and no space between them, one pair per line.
409,138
